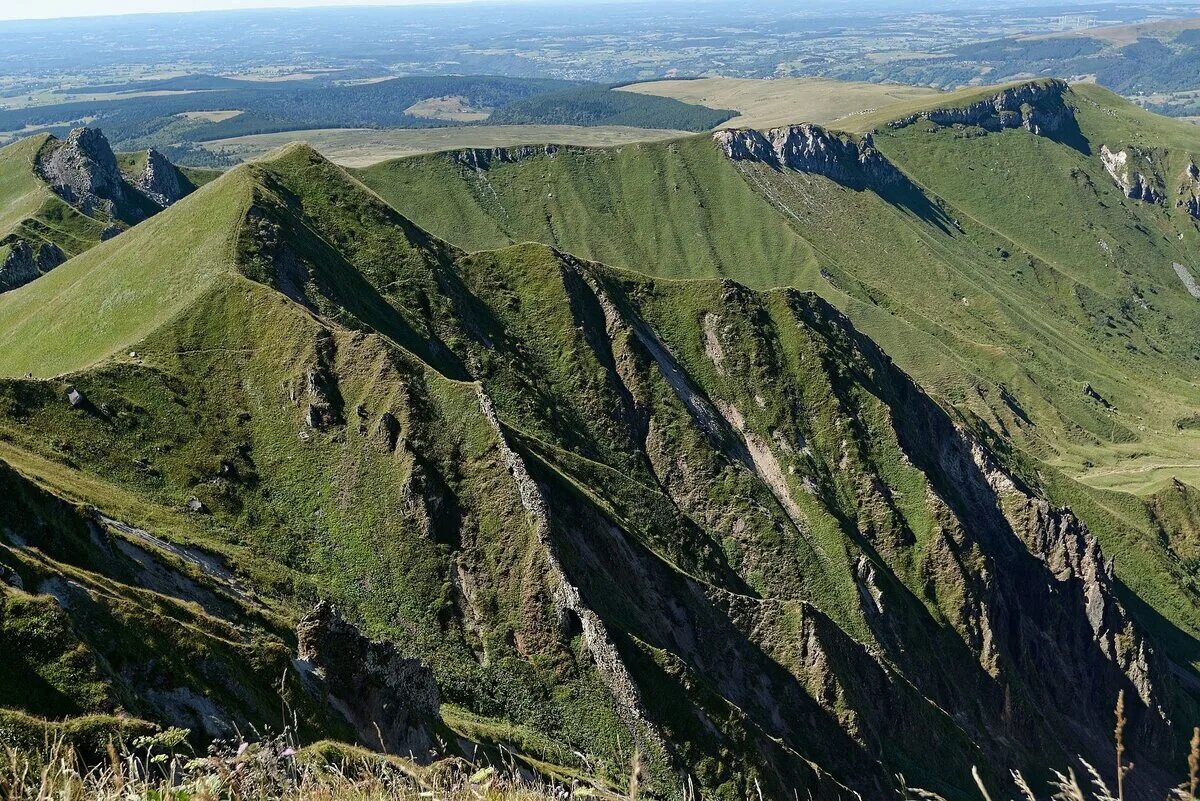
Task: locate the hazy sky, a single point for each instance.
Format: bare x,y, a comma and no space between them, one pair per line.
41,9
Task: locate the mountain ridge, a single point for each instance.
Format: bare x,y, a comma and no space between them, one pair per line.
483,208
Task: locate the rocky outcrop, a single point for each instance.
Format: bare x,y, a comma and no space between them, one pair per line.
1136,185
482,158
160,180
389,699
25,261
1040,600
321,388
812,149
572,612
82,169
1188,280
1189,191
1083,574
1038,107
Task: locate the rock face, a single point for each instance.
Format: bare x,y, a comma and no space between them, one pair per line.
26,261
321,389
1134,184
810,148
1036,107
1189,191
159,180
482,158
83,170
391,700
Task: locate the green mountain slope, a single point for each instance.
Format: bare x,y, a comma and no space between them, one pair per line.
112,296
674,210
1009,272
1117,299
611,514
1006,271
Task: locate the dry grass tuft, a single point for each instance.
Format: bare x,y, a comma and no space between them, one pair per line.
158,768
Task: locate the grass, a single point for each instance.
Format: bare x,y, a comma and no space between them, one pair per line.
132,164
988,284
784,101
148,764
159,766
23,194
1102,252
720,470
674,210
349,492
361,147
453,108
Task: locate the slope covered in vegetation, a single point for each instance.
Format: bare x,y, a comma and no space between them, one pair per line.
705,533
988,241
1007,271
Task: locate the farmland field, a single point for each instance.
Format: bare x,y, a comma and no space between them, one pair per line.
770,104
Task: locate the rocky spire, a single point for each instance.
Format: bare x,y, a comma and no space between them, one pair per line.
159,180
83,170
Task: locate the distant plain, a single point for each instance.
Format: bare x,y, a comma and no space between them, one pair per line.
359,147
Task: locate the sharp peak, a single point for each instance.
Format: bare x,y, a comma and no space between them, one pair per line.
83,136
44,138
273,168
